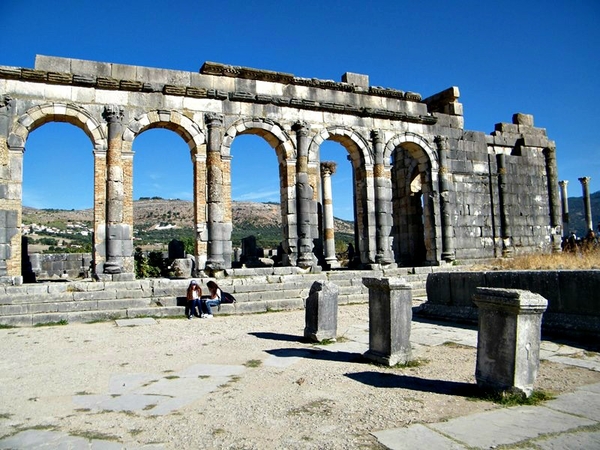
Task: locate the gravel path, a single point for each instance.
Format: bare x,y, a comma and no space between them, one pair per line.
239,382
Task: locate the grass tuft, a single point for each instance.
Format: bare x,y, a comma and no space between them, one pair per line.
507,398
52,324
253,363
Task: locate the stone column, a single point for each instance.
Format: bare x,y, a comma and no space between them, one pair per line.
113,114
555,222
11,180
390,315
448,253
215,260
565,206
328,169
506,231
321,312
304,197
356,260
508,340
585,185
383,203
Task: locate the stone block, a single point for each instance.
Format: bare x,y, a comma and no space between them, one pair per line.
321,312
52,63
356,79
390,315
508,341
523,119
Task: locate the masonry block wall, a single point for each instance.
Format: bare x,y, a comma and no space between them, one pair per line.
426,190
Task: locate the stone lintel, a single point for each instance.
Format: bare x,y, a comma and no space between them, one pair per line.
512,300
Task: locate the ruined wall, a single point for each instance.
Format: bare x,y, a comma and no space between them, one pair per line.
448,199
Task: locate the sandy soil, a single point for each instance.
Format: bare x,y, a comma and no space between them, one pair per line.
317,400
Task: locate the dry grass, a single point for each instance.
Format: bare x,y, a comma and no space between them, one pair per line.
580,260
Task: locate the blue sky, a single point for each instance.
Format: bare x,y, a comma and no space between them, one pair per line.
535,57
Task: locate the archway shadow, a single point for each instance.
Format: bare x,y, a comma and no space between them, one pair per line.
278,336
392,380
318,354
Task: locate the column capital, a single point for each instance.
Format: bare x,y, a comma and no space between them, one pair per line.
213,120
562,183
584,180
328,168
301,127
377,136
442,142
113,113
6,101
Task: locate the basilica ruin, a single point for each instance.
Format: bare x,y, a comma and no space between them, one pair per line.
426,191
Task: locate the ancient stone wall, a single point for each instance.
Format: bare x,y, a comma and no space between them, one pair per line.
425,189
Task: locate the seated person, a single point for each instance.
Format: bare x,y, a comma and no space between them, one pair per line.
193,294
214,299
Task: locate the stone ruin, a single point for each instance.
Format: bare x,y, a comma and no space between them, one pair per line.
426,191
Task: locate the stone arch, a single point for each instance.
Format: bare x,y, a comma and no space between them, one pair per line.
185,127
415,170
269,130
57,112
34,118
274,134
362,159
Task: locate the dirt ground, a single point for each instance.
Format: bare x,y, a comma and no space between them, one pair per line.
313,398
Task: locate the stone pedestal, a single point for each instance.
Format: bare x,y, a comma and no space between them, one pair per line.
321,312
508,342
182,268
390,315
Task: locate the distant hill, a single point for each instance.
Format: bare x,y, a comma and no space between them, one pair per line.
577,214
160,220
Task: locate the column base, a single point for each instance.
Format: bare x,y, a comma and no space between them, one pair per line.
387,360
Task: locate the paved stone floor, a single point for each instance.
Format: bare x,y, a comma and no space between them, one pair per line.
570,421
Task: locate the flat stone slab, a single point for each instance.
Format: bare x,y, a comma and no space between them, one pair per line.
43,439
592,364
415,437
140,322
581,403
572,441
158,394
508,426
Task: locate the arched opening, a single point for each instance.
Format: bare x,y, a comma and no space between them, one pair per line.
256,193
162,197
343,203
57,199
411,206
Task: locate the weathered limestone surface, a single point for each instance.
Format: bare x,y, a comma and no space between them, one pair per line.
426,190
321,312
390,316
508,339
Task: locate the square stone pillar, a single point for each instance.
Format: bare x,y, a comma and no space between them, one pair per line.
508,340
321,312
390,315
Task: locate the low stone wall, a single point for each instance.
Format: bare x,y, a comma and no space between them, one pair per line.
573,297
59,265
256,290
